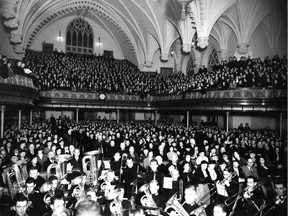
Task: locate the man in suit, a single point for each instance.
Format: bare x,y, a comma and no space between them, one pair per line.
76,160
153,173
250,170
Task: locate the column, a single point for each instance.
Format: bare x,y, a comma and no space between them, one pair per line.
19,118
280,124
187,119
77,115
110,116
227,121
31,117
2,108
117,116
155,116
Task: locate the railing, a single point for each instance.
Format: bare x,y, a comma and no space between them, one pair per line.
245,93
21,80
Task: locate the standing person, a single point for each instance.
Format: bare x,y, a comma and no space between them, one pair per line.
129,177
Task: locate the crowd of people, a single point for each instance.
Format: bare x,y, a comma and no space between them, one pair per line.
99,74
203,168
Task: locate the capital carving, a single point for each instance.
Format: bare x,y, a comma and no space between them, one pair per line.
19,49
148,63
242,48
12,23
7,8
164,56
8,13
15,38
186,48
202,42
2,108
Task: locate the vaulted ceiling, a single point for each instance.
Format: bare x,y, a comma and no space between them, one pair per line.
141,27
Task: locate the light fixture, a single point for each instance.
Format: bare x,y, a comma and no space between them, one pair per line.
99,44
60,36
171,52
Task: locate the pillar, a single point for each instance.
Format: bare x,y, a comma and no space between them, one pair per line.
227,121
110,116
31,117
280,124
117,116
155,116
19,118
77,115
187,119
2,108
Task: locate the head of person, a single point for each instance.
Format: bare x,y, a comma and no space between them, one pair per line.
20,204
251,182
190,195
88,208
129,162
204,164
117,156
110,176
250,162
280,188
54,182
57,205
154,165
219,210
154,187
33,172
159,159
30,185
175,174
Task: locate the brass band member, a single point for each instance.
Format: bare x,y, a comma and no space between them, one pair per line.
34,173
58,207
251,198
226,187
190,202
278,205
219,210
36,204
119,205
158,199
20,206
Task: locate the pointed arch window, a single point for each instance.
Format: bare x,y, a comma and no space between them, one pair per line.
79,37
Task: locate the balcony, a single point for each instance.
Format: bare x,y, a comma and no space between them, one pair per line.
18,90
240,99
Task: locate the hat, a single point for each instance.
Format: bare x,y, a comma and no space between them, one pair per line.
204,162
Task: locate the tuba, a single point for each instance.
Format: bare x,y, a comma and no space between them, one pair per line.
16,176
60,167
173,205
90,166
147,199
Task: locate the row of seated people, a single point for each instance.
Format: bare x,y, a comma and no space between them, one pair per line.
201,159
125,193
96,74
